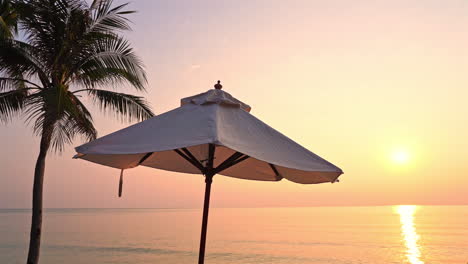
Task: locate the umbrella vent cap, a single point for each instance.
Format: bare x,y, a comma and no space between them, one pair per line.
215,96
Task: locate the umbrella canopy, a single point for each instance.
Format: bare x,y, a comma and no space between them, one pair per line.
213,117
210,133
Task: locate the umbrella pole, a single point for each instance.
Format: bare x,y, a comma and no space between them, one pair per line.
206,207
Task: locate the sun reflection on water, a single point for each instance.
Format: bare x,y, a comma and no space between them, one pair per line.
408,231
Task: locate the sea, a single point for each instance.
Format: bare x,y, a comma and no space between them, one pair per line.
316,235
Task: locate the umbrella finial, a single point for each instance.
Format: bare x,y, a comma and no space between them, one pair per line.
218,86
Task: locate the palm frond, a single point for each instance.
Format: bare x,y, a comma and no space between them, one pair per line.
113,61
83,121
48,24
106,18
110,77
11,104
75,120
128,106
8,19
17,58
66,120
7,84
95,4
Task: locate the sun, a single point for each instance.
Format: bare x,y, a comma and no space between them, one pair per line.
400,156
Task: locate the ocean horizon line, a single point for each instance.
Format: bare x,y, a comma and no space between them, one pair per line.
222,207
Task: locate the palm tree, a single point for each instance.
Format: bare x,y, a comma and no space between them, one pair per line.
67,49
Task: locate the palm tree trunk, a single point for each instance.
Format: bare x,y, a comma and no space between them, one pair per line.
36,221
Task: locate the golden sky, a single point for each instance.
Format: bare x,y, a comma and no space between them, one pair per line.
379,88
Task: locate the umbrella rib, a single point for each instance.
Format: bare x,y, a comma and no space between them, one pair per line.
275,170
145,157
228,161
238,160
232,163
191,156
193,162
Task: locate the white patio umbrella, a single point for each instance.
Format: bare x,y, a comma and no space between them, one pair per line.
210,133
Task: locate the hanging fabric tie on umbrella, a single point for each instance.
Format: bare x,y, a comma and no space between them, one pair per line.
206,125
121,182
147,155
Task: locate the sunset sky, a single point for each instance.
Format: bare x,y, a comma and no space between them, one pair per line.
379,88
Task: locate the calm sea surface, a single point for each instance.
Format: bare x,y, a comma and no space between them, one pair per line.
331,235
